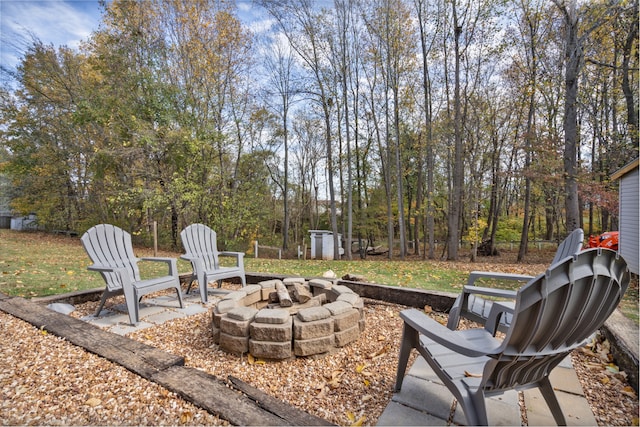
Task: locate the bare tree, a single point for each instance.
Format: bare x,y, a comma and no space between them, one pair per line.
279,63
303,27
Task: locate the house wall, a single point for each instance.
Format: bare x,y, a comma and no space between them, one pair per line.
629,218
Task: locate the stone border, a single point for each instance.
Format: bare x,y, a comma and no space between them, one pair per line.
261,320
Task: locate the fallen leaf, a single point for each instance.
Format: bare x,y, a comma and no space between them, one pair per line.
335,380
93,402
472,375
613,368
379,353
186,417
361,368
360,422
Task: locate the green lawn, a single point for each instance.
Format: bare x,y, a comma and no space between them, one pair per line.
38,264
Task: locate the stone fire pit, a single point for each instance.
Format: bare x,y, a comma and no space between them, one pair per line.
279,319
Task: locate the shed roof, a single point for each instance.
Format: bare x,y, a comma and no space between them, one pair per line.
625,169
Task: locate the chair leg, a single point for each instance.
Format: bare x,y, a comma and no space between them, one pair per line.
202,283
552,401
193,279
475,409
409,340
105,295
243,279
179,295
454,314
131,297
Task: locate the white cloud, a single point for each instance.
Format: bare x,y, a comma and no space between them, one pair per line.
254,17
54,22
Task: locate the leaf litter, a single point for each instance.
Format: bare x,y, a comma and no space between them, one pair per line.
350,386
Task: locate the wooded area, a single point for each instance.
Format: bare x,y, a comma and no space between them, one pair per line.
388,121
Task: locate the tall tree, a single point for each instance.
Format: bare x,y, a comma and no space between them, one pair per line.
455,198
530,23
573,62
426,46
303,26
279,63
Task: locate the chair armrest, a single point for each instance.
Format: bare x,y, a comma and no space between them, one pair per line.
453,340
196,264
168,260
491,292
229,253
238,255
103,268
171,262
460,304
497,311
475,275
121,273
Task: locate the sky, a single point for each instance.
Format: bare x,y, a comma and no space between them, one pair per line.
58,22
52,21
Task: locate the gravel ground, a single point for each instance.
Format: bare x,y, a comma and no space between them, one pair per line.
46,381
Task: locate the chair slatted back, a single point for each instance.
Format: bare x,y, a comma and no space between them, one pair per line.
569,246
555,313
110,246
200,240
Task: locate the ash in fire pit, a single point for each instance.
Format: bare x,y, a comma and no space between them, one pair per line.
278,319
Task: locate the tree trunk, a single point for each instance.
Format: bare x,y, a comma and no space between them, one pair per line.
573,59
627,52
458,169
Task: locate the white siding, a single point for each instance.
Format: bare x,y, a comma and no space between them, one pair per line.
629,219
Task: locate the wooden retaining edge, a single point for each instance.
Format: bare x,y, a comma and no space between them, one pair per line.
239,407
622,333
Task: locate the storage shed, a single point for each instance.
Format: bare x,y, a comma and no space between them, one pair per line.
322,244
629,215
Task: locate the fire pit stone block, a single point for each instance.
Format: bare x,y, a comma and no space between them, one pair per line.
251,320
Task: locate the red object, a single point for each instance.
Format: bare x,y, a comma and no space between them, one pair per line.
607,240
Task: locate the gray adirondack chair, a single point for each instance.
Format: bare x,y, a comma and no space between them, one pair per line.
111,252
201,247
471,305
555,313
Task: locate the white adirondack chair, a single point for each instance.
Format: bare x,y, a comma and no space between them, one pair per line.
111,252
201,247
472,306
554,314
